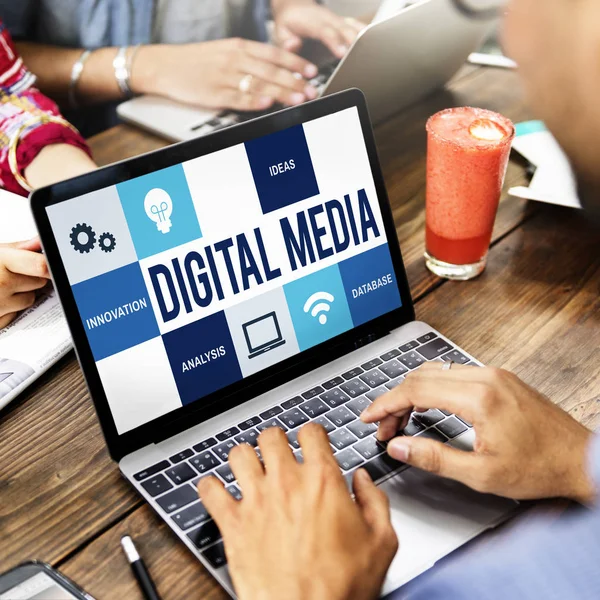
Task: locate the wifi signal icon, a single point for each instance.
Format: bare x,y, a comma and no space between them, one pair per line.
319,305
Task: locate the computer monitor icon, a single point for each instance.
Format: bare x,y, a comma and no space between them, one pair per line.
262,334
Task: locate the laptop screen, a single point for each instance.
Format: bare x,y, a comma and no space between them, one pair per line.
191,278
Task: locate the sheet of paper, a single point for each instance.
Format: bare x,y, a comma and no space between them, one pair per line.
554,181
16,222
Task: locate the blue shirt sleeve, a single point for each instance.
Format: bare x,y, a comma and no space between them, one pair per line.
555,560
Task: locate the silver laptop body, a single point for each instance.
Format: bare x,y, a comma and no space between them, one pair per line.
187,353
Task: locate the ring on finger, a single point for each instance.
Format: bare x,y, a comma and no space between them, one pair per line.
447,365
245,83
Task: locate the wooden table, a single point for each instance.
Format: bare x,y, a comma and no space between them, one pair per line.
535,310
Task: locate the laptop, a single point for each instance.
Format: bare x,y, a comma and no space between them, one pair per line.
271,301
395,62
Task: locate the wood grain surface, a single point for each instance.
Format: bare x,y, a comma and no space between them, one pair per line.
535,310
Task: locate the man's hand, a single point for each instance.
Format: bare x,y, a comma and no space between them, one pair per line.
298,19
297,534
526,446
23,270
213,71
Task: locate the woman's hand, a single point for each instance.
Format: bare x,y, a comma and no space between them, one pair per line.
23,270
526,446
209,74
298,19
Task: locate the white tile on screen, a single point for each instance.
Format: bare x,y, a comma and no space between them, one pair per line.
223,192
262,331
102,243
339,155
139,384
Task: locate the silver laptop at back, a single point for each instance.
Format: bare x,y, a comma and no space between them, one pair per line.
395,62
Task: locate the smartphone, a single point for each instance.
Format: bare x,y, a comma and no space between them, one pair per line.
36,580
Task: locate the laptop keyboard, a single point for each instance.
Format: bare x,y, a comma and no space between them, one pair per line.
336,404
227,118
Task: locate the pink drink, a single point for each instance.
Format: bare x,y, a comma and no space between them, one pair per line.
467,155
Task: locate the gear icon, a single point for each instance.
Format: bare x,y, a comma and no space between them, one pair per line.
107,242
83,238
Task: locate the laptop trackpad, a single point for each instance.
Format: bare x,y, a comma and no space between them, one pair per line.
432,517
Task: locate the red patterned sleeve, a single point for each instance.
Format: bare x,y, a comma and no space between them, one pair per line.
21,102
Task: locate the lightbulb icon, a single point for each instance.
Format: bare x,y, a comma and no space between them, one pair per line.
159,206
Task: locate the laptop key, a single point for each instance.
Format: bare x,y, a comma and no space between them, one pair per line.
205,461
374,394
348,459
177,458
272,412
157,485
352,373
389,355
452,427
412,360
434,434
374,378
435,348
340,416
313,392
427,337
357,405
341,438
292,402
178,498
223,450
251,422
369,448
235,491
314,408
215,555
225,435
205,445
298,456
294,418
393,369
446,412
390,385
292,437
160,466
191,516
457,357
429,418
371,364
180,473
361,430
331,383
413,427
355,387
247,437
409,346
335,397
226,474
325,423
205,535
271,423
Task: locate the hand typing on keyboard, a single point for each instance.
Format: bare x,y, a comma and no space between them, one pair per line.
297,533
297,20
526,447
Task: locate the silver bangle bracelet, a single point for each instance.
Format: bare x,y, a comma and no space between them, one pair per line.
122,66
76,72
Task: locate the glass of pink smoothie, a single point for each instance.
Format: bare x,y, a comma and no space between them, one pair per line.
467,155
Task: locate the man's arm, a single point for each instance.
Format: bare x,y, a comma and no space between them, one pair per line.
526,446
